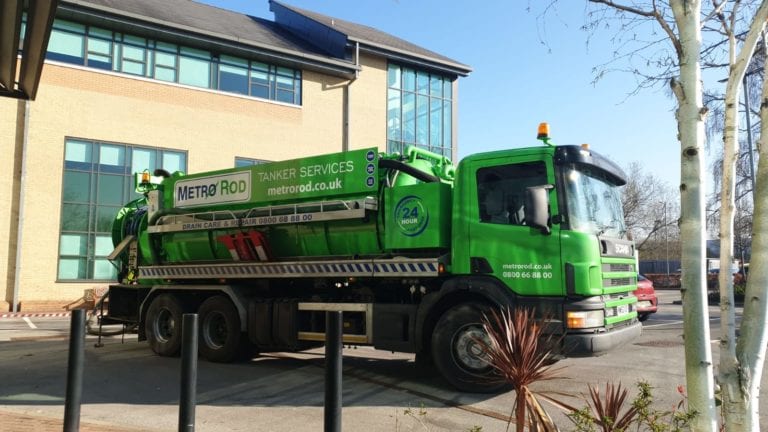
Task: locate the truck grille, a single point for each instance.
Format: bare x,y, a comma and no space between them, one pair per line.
618,267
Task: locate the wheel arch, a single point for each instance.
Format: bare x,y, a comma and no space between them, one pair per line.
470,289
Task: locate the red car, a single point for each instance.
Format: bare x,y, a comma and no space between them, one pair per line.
646,298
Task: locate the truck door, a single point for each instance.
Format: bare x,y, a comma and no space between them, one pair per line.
501,244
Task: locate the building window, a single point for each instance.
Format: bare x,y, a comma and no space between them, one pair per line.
244,162
419,110
98,181
99,48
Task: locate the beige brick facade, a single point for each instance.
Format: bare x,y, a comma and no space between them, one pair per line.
213,127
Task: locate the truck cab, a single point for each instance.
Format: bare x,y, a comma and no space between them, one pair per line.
544,225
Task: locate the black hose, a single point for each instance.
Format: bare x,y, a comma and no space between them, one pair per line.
408,169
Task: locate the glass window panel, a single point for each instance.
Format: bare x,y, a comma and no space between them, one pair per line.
112,155
72,269
436,86
102,269
110,189
165,62
143,159
165,59
285,96
133,53
100,32
66,46
194,72
435,122
165,74
173,162
77,151
196,53
99,46
233,61
68,25
74,217
422,83
447,89
104,218
409,117
393,114
233,79
77,186
422,120
103,245
73,244
393,76
409,79
447,125
99,61
166,47
135,40
133,67
260,91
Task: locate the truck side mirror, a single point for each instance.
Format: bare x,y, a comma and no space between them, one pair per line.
537,207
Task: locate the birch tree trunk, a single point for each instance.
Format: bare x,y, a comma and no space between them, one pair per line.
690,118
734,401
751,347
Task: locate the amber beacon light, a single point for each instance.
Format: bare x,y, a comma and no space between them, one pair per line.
543,133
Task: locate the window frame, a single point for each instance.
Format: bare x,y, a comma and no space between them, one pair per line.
95,171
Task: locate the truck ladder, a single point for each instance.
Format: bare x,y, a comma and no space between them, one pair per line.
268,215
377,268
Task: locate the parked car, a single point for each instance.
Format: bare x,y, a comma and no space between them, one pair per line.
646,298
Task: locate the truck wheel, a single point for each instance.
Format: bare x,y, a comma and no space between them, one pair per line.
458,356
220,336
164,325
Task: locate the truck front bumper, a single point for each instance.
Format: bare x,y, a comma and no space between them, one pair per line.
590,344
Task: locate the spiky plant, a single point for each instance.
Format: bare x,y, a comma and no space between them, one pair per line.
521,354
607,408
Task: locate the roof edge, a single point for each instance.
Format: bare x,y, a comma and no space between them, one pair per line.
455,67
342,67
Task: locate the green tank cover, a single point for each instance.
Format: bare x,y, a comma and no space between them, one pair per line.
278,201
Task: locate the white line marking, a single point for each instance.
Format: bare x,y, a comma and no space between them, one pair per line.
29,323
663,324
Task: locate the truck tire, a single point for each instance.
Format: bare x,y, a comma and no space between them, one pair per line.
220,340
163,325
456,353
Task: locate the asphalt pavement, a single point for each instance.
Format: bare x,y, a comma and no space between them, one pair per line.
127,388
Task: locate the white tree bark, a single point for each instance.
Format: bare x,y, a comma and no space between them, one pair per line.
751,347
690,118
734,401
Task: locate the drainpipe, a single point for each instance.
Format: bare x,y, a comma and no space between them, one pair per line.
20,224
347,110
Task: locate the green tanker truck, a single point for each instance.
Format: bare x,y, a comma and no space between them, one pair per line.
412,249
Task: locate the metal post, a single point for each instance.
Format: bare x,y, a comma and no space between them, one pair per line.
333,363
187,400
666,238
75,371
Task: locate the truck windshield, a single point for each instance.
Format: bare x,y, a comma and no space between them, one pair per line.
593,202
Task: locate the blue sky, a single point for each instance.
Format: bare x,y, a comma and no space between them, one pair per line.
517,81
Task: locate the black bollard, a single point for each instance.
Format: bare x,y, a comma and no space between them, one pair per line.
188,396
333,362
75,371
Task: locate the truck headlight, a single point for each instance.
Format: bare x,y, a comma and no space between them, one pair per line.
585,319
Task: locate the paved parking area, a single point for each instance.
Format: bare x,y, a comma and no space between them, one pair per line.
127,388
